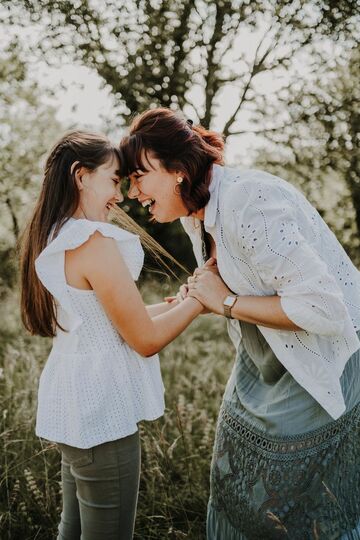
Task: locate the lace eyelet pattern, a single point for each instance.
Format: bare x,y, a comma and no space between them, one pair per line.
287,487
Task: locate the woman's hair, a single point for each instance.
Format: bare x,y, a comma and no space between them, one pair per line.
58,200
179,145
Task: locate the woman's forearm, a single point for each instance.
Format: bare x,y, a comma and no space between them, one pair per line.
262,310
211,291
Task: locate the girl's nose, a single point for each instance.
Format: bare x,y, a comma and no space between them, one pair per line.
119,197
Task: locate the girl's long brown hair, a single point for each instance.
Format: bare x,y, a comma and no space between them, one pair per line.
180,146
57,202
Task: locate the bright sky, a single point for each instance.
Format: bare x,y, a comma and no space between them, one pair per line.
81,101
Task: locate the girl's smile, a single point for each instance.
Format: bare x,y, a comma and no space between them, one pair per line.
99,190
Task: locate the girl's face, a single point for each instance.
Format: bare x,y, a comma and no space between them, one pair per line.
156,189
99,189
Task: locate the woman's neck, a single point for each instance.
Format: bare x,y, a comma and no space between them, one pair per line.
200,214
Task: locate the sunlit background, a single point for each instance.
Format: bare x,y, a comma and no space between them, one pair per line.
279,78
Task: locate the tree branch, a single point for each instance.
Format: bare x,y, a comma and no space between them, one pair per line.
15,223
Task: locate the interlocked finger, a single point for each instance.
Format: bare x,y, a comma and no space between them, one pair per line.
183,291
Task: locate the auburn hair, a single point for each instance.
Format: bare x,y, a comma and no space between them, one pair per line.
179,145
58,200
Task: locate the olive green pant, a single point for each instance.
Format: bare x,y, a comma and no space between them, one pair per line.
100,489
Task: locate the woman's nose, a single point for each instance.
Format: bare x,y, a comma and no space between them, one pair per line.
133,191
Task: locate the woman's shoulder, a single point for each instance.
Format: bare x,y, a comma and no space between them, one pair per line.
244,188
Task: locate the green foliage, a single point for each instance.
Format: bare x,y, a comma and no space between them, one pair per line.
28,127
156,52
176,450
318,147
189,54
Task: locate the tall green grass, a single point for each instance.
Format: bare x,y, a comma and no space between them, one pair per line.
176,450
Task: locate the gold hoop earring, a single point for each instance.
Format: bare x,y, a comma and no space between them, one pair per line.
177,187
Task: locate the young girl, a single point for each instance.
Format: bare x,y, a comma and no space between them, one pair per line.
102,376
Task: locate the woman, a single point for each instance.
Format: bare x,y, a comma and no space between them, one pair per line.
286,460
78,287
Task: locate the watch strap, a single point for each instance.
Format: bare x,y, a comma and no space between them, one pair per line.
227,309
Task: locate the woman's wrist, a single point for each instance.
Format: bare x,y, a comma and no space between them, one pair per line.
196,304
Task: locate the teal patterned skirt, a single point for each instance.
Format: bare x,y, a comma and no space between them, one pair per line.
267,485
299,487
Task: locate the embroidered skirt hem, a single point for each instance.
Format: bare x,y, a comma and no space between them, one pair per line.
302,487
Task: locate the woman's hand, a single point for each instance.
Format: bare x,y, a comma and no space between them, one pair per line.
208,287
184,289
211,265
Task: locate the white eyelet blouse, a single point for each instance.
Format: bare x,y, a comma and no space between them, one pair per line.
94,388
271,241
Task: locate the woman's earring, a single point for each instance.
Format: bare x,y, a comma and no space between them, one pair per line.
177,187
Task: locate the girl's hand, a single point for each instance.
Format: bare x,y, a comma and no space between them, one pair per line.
180,295
208,287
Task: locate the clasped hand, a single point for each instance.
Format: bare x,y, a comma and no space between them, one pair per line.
206,286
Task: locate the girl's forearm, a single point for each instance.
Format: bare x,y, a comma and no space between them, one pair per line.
168,325
157,309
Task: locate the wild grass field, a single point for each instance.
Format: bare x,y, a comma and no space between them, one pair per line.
176,449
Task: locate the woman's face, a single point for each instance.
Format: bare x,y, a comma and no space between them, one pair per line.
99,189
156,189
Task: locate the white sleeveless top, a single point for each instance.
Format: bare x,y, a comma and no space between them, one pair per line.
94,387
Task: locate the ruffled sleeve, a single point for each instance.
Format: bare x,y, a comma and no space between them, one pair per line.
50,264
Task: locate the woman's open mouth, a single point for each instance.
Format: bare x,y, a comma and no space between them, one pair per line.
149,203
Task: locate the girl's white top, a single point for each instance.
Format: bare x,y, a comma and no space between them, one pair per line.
94,387
271,241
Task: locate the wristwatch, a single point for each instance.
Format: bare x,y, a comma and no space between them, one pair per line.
228,304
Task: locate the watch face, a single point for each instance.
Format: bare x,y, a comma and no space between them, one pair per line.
229,301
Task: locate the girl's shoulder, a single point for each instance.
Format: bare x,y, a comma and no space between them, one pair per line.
76,232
